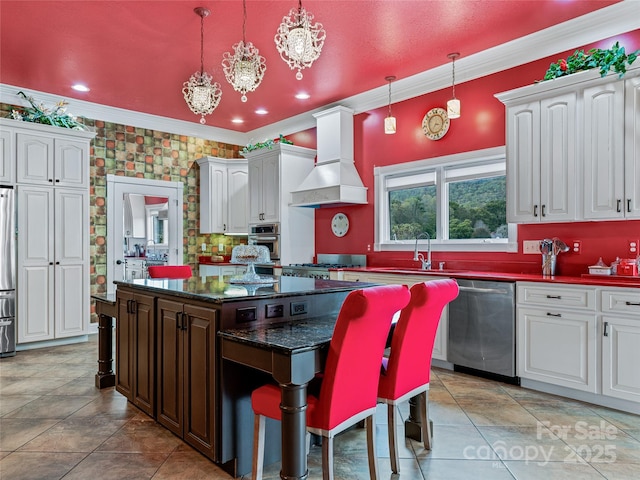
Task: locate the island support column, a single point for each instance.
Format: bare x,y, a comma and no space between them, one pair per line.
106,311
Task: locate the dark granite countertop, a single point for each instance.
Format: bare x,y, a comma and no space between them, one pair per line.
286,337
105,297
219,289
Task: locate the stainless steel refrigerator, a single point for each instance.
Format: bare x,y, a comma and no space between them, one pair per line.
7,273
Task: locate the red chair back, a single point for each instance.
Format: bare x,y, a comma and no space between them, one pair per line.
352,370
170,271
409,364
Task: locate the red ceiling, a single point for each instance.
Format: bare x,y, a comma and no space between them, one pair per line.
137,54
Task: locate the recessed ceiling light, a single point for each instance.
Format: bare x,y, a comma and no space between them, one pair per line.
261,111
302,96
78,87
237,120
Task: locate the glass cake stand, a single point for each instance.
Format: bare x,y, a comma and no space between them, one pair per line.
250,255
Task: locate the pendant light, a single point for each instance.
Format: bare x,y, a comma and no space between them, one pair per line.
201,95
299,41
453,105
390,121
244,69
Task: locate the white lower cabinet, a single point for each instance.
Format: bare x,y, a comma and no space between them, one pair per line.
220,270
621,343
440,343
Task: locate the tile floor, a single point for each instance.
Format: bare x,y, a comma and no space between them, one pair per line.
55,424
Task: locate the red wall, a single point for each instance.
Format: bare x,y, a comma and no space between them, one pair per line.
481,125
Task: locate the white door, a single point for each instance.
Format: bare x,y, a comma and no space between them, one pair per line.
620,358
117,187
35,159
271,188
632,148
71,168
255,191
35,244
237,200
7,157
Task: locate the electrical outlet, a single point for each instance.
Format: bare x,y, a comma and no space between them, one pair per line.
576,246
633,248
221,247
531,246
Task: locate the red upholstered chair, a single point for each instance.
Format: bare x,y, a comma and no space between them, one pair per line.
407,370
170,271
348,392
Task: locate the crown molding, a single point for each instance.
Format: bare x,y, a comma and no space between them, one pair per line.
607,22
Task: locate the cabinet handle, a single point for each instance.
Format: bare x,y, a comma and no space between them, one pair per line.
633,304
618,204
128,306
629,205
549,314
542,211
185,321
57,263
179,320
57,180
51,180
535,210
134,306
556,297
606,329
50,263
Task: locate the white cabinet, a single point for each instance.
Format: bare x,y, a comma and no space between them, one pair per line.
47,160
7,156
273,174
53,266
134,268
556,335
573,148
621,343
220,270
440,343
50,168
541,155
224,195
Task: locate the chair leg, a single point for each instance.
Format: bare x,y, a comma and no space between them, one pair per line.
393,443
258,447
371,447
425,424
327,458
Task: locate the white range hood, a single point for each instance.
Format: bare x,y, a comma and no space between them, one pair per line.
334,181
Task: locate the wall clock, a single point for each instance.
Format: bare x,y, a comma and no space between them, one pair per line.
435,123
339,224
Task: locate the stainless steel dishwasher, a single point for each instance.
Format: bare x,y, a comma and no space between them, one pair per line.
482,334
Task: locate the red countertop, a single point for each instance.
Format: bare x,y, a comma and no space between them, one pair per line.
596,280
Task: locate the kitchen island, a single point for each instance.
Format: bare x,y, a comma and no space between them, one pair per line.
170,361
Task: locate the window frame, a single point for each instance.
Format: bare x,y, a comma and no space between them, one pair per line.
382,241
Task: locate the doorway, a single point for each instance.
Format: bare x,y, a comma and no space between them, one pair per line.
134,202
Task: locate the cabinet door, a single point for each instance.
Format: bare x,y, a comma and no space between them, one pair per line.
255,191
124,344
7,157
237,200
621,357
632,148
144,354
170,365
71,163
558,174
71,300
557,347
271,189
523,163
34,159
199,379
603,141
214,213
35,272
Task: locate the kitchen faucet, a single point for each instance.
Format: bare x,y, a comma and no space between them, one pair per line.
426,264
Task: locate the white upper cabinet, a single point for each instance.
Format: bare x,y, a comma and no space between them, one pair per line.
552,125
224,195
7,156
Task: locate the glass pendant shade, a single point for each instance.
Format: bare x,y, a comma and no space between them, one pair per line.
201,94
299,41
390,125
453,108
244,69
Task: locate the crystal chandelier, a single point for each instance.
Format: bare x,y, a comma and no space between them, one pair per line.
298,41
390,122
201,95
244,68
453,105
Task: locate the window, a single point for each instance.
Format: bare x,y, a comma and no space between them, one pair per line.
459,200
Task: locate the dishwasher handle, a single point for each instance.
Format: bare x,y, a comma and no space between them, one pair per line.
483,290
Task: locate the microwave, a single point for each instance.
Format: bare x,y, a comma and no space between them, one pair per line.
267,235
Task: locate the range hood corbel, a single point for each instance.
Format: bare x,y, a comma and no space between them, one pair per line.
334,181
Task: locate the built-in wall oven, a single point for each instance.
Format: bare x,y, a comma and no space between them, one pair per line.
267,235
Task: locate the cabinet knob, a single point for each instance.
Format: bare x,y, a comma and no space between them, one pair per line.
50,263
57,180
57,263
51,180
118,262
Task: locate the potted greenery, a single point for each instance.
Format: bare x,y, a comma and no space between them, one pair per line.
613,58
57,116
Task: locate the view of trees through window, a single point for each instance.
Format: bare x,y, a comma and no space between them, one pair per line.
477,209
